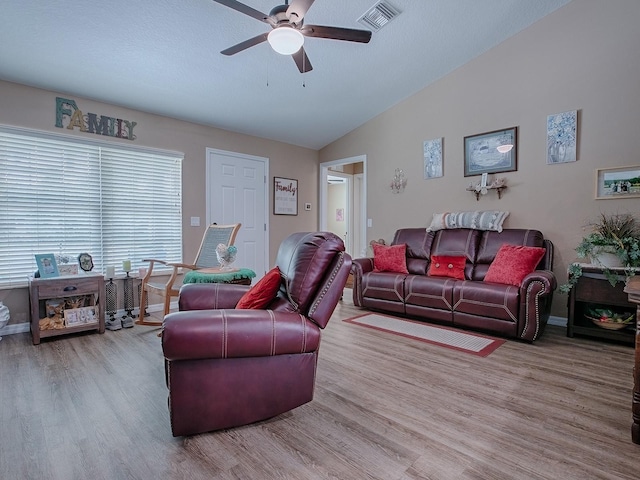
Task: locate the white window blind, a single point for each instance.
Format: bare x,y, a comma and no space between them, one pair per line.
65,196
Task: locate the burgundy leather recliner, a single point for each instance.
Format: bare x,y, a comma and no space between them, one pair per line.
227,367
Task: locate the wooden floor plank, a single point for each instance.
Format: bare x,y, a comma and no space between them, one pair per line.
92,406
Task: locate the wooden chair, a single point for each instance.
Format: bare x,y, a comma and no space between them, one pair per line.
206,258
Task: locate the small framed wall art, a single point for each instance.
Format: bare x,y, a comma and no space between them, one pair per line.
491,152
433,158
561,137
618,182
285,196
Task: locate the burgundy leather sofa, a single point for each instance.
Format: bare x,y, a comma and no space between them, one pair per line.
228,367
505,310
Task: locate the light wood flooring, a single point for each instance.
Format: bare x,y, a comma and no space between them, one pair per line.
94,407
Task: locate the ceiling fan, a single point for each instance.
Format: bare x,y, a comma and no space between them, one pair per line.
288,30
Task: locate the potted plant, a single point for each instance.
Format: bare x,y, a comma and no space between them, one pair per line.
614,242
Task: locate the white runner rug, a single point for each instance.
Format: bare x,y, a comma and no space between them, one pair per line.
464,341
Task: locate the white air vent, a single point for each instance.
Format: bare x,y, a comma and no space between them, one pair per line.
378,16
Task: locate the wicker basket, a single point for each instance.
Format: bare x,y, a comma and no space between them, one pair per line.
611,325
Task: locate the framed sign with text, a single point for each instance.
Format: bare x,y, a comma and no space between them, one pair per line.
285,196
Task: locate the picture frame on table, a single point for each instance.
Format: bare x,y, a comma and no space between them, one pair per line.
285,196
491,152
618,182
80,316
47,265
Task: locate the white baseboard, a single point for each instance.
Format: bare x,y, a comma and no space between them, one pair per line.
26,327
15,328
558,321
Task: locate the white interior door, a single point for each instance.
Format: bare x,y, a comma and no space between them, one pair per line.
237,192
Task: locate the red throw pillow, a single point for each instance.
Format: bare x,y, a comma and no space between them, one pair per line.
262,293
390,258
513,263
445,266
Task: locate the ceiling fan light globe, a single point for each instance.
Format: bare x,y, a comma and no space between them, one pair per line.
285,40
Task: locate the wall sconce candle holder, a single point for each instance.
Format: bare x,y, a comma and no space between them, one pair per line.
399,182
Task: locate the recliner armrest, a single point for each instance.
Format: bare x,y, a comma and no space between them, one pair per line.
546,277
208,334
359,266
206,296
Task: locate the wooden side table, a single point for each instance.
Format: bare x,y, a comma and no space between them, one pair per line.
594,290
633,290
88,287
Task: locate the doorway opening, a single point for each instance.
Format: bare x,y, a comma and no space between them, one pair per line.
343,200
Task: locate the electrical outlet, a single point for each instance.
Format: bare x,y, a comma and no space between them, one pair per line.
307,206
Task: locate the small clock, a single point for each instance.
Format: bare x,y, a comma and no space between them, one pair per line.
85,261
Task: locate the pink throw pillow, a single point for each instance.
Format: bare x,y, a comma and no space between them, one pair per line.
513,263
390,258
262,293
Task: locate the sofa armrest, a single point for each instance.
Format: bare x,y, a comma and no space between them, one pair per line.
206,296
211,334
359,266
536,293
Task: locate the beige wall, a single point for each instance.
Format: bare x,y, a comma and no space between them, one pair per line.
582,57
33,108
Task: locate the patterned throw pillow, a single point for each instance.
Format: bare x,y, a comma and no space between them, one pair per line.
478,220
262,293
390,258
513,263
446,266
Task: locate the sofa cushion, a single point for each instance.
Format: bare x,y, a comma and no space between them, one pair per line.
262,293
418,243
383,290
432,292
513,263
487,300
447,266
389,258
477,220
458,243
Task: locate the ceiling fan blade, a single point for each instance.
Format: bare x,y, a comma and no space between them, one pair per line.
302,61
242,8
246,44
298,9
336,33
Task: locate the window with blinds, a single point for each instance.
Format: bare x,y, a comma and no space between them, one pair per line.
66,196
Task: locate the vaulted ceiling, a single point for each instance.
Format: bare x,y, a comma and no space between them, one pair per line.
163,57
